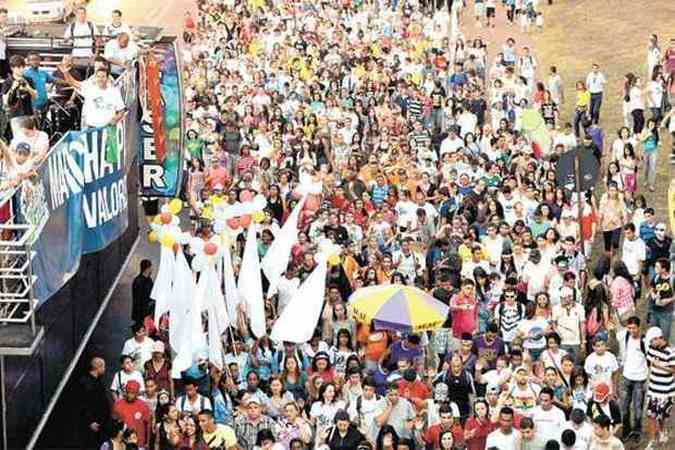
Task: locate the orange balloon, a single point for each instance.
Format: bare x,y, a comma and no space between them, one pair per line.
233,223
166,218
245,220
210,248
246,196
176,247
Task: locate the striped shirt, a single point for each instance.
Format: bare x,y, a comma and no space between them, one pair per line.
415,108
419,140
661,383
509,317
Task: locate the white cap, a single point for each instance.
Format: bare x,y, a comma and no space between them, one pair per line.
652,333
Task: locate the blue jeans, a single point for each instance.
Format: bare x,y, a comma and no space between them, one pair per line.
634,395
661,319
596,103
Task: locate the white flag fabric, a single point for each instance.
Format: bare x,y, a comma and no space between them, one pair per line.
231,294
191,340
250,285
162,289
276,259
183,295
299,319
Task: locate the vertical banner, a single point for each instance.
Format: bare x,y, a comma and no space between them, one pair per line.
162,126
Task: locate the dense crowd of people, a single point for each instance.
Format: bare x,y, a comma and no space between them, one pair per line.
430,179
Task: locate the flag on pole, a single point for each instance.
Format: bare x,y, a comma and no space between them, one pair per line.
299,319
250,285
276,259
162,289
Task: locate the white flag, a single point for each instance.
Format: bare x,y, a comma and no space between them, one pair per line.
250,285
276,259
183,295
231,294
299,319
162,288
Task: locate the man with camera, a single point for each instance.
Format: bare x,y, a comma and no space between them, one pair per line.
18,92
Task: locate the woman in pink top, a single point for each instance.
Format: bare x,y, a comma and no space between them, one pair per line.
464,310
622,290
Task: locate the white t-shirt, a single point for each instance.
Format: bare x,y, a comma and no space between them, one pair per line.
584,434
567,323
100,105
81,35
634,362
121,379
600,368
39,143
503,441
183,404
141,352
548,423
633,252
124,55
366,415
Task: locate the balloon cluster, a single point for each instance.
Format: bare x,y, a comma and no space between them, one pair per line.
165,227
206,252
239,215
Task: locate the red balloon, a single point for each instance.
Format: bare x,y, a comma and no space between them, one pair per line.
312,203
233,223
246,196
165,218
210,248
245,220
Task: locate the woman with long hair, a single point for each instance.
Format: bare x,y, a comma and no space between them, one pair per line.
278,397
612,215
167,431
323,410
622,290
477,427
649,138
387,439
598,309
191,436
115,436
294,379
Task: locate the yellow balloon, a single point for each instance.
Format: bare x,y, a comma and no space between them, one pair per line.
333,260
216,200
152,236
167,241
258,216
157,220
175,206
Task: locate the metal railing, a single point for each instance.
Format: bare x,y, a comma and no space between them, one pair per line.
17,296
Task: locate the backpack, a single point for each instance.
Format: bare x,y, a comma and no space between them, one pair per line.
643,349
92,32
201,402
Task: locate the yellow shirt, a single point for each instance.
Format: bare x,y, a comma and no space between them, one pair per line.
583,99
223,436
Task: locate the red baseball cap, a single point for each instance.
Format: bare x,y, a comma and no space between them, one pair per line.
133,386
600,392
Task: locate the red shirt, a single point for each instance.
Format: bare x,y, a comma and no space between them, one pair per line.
136,415
433,435
483,428
464,311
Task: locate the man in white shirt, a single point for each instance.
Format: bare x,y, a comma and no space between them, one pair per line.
582,429
601,365
121,51
139,347
452,143
116,27
632,353
365,410
505,437
569,319
37,141
634,252
103,104
82,33
595,82
192,401
548,417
